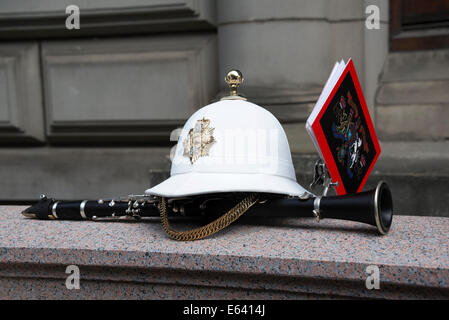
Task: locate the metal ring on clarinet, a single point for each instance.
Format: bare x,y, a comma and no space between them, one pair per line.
82,205
53,210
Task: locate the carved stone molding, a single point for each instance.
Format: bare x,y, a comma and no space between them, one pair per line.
128,90
412,98
21,111
24,19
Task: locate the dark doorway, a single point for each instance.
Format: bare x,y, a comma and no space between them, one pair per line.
419,24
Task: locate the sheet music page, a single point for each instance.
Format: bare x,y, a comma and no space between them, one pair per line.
327,89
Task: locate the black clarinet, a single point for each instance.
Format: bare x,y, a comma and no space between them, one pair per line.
133,207
373,207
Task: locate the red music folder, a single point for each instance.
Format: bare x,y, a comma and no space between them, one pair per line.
341,129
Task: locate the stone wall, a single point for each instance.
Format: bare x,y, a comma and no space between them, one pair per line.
287,50
89,112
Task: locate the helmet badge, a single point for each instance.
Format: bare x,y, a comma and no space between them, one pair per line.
199,140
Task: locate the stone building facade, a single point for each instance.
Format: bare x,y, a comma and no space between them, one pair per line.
88,112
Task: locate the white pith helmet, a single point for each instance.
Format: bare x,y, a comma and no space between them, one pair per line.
231,146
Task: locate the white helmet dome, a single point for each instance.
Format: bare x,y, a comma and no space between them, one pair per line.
231,146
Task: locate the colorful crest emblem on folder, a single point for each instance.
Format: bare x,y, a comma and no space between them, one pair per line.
345,134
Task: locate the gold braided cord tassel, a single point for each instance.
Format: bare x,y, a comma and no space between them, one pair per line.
211,228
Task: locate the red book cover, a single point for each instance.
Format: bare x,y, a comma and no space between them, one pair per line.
343,132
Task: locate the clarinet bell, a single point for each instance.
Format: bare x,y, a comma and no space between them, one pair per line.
383,204
373,207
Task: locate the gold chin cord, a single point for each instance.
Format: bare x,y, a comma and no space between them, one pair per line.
211,228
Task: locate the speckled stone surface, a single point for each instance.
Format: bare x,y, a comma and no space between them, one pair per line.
263,259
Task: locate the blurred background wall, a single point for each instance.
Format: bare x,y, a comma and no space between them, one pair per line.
88,112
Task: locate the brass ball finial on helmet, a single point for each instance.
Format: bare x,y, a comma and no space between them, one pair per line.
234,78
